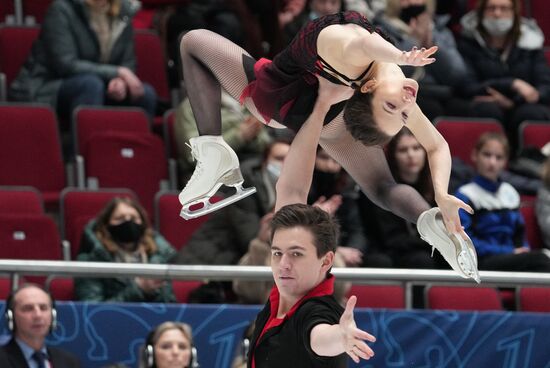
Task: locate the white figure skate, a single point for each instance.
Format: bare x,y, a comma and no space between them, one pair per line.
217,164
459,253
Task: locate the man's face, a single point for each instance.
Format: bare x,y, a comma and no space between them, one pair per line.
294,262
32,311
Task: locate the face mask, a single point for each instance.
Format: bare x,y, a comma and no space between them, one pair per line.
411,12
126,232
274,169
498,27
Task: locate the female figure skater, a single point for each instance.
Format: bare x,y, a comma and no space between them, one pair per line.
345,49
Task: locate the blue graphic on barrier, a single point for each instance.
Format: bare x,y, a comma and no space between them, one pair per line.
103,333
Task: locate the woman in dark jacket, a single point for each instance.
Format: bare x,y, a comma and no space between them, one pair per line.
509,78
84,56
122,233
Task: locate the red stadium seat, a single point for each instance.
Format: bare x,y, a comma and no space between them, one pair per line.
30,150
128,160
168,222
169,134
541,12
378,296
534,133
36,9
462,133
61,288
532,230
151,63
29,237
533,299
20,200
79,206
471,298
5,287
15,46
182,289
89,120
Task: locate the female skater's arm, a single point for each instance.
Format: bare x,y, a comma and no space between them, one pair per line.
296,176
439,158
353,45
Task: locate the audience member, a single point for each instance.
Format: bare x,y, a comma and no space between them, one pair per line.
414,23
31,316
497,228
313,10
224,238
84,56
169,345
242,131
399,238
122,233
336,192
542,205
509,77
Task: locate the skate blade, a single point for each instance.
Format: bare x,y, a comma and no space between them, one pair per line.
468,256
208,207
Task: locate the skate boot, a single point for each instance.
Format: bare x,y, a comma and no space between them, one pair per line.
459,253
217,164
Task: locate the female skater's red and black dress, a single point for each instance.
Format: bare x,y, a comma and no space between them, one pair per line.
285,89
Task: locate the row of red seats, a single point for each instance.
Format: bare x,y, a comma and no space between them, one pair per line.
26,232
16,43
440,297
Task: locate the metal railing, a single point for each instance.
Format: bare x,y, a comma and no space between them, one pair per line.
405,277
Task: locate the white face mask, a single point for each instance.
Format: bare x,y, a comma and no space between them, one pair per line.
274,169
498,26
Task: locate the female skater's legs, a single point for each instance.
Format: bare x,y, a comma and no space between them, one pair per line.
210,62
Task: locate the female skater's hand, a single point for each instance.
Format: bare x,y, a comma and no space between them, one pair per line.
354,338
417,57
331,93
449,206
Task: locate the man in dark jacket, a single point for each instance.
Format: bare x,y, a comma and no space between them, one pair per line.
84,56
31,316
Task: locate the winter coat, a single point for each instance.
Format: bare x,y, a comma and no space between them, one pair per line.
120,289
542,208
488,67
67,46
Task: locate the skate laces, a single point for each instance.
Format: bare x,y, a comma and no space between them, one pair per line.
198,166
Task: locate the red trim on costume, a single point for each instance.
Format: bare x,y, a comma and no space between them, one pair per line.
325,287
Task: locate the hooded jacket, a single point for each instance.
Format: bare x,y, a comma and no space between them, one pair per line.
488,67
67,46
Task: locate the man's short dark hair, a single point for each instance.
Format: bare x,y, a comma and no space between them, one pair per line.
323,227
360,121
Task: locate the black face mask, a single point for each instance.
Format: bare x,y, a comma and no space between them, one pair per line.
126,232
411,12
324,183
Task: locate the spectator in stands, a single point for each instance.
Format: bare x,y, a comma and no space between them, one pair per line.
84,56
242,131
497,228
414,23
542,205
313,10
509,77
224,237
31,316
399,238
169,345
336,192
122,233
